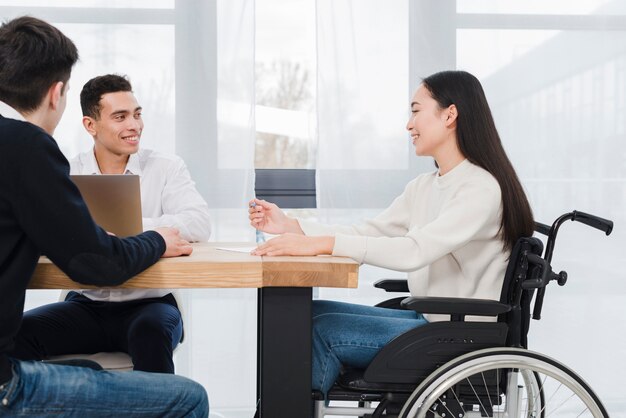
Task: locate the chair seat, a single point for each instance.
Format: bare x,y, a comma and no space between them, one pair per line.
352,379
114,361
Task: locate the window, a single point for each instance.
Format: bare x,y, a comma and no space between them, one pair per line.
285,78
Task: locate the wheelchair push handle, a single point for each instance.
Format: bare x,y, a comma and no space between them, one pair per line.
602,224
542,228
594,221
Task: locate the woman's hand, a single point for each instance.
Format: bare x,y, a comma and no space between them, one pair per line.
296,244
268,217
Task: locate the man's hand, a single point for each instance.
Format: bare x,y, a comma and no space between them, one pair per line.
174,244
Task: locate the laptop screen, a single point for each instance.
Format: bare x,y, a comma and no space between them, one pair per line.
114,201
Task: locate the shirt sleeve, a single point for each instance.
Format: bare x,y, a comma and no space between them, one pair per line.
53,215
183,207
392,222
472,214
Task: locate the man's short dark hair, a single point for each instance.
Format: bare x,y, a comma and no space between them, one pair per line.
33,56
94,89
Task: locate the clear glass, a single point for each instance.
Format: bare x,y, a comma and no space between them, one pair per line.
121,4
285,68
539,7
235,84
559,106
145,53
506,46
363,51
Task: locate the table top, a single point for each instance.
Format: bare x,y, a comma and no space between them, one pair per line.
211,267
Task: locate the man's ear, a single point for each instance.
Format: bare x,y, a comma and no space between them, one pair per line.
451,115
55,93
90,125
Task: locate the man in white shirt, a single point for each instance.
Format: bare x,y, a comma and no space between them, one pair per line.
147,324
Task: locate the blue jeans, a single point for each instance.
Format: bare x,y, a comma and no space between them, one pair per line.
42,390
351,335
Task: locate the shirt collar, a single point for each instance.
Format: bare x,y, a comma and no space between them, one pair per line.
133,165
452,176
88,160
10,113
90,163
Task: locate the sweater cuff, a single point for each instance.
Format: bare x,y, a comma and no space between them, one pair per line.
353,246
158,239
313,228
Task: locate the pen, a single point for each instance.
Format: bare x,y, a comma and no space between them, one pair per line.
259,234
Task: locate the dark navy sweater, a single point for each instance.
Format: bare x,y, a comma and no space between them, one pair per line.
42,212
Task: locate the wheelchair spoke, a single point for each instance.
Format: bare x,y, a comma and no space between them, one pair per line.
540,388
448,409
476,394
487,389
538,395
563,403
550,399
456,397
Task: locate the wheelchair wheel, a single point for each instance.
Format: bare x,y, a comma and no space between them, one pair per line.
503,382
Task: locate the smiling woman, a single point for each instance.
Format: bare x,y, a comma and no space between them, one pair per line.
432,130
452,229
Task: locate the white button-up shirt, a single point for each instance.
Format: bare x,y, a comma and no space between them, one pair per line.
168,198
10,113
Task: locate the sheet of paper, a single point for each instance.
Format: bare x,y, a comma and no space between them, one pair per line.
247,250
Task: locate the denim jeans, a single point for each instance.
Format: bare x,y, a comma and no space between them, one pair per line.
42,390
351,335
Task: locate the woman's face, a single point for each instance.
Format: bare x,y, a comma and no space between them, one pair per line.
428,124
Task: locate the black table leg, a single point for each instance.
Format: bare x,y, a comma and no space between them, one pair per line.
284,352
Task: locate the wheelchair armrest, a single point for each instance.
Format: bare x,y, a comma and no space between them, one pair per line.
393,285
455,306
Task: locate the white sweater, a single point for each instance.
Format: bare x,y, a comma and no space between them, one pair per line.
443,230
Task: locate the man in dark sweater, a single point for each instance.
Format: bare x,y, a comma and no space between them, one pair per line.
42,212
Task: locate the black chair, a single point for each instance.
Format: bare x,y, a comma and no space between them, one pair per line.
462,368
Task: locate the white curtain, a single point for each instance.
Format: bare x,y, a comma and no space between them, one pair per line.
364,156
222,347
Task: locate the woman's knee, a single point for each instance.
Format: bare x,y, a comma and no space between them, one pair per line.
323,307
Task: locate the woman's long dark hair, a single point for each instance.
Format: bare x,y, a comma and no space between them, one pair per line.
480,143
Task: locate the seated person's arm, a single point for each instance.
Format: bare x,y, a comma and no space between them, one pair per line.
183,207
51,211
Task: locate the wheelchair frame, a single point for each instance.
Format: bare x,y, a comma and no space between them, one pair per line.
406,382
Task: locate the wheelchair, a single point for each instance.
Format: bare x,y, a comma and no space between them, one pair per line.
459,368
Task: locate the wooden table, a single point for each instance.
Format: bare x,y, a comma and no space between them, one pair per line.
284,308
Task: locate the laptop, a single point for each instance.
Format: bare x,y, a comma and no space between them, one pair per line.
113,200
